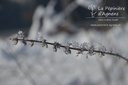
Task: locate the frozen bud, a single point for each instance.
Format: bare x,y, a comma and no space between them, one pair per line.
67,50
57,45
102,48
20,34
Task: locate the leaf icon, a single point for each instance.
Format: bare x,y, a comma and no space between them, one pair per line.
91,7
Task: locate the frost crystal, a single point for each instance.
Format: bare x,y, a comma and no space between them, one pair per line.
84,45
20,34
102,48
91,50
75,45
39,36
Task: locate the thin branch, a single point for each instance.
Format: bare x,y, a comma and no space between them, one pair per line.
69,47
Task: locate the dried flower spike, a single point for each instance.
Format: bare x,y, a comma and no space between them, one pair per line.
74,46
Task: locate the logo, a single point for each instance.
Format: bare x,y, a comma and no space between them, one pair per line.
92,8
106,15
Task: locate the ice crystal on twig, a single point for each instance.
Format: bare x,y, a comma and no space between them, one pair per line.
91,50
75,45
39,36
21,34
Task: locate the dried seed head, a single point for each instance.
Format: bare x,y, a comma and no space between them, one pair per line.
84,45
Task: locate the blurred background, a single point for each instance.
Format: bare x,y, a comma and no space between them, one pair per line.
18,14
62,21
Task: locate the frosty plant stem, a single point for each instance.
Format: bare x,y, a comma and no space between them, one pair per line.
83,47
